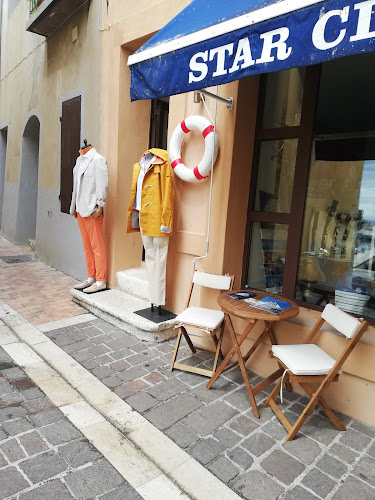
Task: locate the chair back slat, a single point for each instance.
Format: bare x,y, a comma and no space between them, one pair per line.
208,280
340,320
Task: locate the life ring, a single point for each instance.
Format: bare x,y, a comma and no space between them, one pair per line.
206,128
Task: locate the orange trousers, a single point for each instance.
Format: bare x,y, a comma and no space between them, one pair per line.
93,246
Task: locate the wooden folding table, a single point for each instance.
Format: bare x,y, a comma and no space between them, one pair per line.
243,310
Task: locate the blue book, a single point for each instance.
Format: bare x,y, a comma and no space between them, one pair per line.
278,305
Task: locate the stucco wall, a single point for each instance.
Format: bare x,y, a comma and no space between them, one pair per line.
37,75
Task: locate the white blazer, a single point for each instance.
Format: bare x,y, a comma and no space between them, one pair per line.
93,183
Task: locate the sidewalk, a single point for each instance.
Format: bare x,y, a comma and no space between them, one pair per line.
215,428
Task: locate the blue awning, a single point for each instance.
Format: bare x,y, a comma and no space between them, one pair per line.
212,42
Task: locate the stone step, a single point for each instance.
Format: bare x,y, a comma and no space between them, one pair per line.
118,308
134,282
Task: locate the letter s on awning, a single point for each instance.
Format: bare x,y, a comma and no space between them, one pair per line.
212,42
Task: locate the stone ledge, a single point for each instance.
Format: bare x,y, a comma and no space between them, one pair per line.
134,282
118,308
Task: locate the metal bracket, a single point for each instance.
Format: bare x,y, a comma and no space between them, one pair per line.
227,100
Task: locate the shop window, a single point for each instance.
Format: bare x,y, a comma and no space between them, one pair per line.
311,214
70,144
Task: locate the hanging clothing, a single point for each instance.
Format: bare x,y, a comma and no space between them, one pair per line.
156,196
90,183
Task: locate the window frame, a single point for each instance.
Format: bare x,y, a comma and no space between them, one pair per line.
304,134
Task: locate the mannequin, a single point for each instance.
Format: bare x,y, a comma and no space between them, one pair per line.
150,212
90,184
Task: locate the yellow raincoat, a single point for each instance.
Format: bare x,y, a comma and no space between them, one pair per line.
157,197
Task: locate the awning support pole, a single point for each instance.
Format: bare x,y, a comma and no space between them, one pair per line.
227,100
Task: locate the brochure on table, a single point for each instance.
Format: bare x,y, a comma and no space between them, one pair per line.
268,304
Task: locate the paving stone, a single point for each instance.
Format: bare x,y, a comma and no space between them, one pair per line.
126,390
12,450
257,485
10,399
120,365
38,405
5,388
11,482
332,466
275,430
112,381
142,402
282,467
102,372
83,356
60,432
353,488
303,448
182,435
43,466
354,440
123,492
209,418
239,399
47,417
365,470
241,457
90,364
121,354
168,389
77,335
78,346
343,453
154,378
104,359
205,450
118,344
94,480
3,435
173,410
319,428
258,443
227,437
223,469
220,388
79,453
157,364
91,331
137,359
3,462
243,425
11,412
33,443
13,373
371,451
132,373
49,491
365,429
63,340
33,393
99,350
296,408
14,427
318,482
298,493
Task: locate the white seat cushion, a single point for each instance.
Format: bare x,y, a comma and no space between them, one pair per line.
304,359
201,317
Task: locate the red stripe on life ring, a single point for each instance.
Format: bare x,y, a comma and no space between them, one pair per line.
176,162
198,175
184,127
207,131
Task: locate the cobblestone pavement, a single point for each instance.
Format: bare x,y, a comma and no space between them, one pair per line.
42,455
36,291
217,427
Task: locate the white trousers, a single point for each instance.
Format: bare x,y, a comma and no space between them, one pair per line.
156,251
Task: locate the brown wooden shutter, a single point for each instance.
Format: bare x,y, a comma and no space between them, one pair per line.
70,144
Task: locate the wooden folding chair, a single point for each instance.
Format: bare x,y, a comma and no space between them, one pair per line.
307,364
208,321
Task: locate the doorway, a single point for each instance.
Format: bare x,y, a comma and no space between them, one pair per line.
3,160
29,182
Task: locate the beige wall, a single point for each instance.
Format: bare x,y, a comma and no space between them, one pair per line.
125,129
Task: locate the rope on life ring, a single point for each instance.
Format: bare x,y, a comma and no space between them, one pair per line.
206,128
